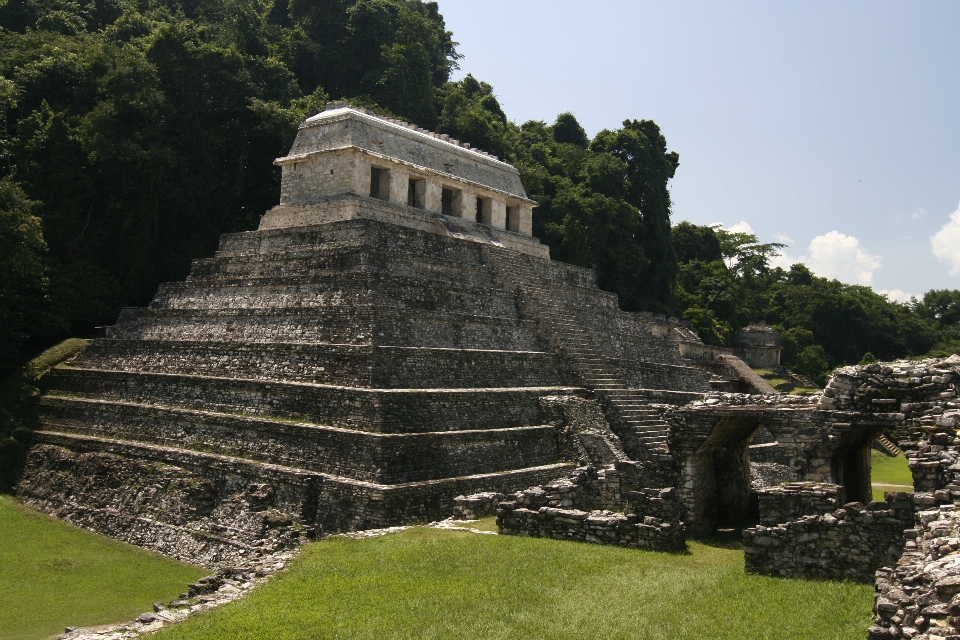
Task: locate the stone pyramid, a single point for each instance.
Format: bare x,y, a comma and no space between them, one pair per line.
382,344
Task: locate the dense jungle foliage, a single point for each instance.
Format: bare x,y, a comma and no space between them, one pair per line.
135,132
725,282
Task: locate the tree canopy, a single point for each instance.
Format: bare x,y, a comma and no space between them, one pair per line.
141,131
821,323
136,132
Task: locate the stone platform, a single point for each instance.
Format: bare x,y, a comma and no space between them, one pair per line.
356,374
392,336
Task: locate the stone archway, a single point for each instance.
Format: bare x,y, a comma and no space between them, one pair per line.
711,439
718,476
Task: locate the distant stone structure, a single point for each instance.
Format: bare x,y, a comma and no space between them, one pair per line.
758,345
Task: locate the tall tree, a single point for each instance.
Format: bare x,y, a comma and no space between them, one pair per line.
649,167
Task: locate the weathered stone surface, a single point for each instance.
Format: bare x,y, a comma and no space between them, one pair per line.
357,362
598,506
804,535
917,597
227,585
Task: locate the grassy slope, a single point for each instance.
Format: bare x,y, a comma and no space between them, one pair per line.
888,471
53,574
426,583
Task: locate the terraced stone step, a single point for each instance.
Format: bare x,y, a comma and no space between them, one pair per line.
300,262
373,457
365,326
373,410
332,503
343,365
335,295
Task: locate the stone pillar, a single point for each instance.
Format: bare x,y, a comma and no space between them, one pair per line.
399,178
432,195
498,213
465,204
526,220
359,181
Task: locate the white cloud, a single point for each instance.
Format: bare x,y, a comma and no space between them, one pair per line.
896,295
741,227
916,214
835,255
946,243
832,255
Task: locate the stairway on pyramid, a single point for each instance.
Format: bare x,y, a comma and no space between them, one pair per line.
381,344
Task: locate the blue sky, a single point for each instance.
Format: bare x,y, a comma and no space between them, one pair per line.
831,126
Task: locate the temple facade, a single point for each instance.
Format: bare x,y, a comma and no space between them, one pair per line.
422,179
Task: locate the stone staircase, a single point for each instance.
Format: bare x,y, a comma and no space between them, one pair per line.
883,444
641,428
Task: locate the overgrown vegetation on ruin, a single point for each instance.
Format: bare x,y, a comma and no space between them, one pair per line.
135,133
53,574
425,583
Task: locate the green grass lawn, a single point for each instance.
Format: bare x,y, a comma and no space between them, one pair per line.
53,574
425,583
885,470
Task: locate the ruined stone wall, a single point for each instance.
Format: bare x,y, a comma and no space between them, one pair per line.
794,500
918,597
581,508
221,511
850,543
914,392
631,531
710,439
933,462
209,511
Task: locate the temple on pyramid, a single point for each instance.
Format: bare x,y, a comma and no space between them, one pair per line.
392,336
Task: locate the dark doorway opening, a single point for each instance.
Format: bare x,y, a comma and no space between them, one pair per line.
721,476
446,201
513,219
851,468
378,183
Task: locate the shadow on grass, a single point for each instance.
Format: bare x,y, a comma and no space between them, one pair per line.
724,539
